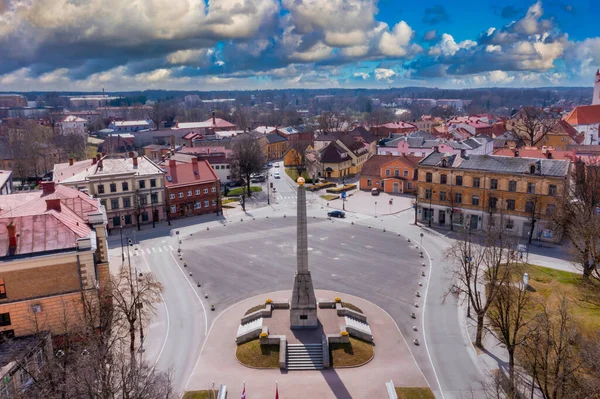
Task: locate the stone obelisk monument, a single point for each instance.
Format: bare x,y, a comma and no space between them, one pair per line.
303,313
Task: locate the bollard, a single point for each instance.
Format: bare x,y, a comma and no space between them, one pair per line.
421,254
416,342
284,215
423,264
190,273
253,218
418,294
207,228
352,222
205,295
369,226
420,284
414,328
267,217
212,307
198,284
384,229
408,240
423,274
241,220
413,316
184,264
416,305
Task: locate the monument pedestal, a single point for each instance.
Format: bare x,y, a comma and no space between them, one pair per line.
303,312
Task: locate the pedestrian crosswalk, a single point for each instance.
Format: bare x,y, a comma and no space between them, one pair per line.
156,249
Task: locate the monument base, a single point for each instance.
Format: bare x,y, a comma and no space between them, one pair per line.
303,318
303,312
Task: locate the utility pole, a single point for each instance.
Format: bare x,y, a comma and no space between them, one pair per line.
122,251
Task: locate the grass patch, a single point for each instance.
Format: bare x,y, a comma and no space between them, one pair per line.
228,200
355,353
205,394
253,354
351,307
255,308
293,174
241,190
414,393
228,206
330,197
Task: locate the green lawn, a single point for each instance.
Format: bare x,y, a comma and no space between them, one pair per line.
355,353
414,393
293,174
253,354
330,197
351,307
241,190
206,394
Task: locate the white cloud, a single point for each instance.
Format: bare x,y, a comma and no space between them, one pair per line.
395,43
384,74
447,46
181,57
317,52
490,48
362,75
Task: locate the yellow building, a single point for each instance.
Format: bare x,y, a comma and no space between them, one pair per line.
476,190
344,157
277,145
52,250
561,135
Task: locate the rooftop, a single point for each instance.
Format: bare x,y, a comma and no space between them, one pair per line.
130,123
4,177
82,170
376,162
218,123
74,118
189,173
273,138
584,115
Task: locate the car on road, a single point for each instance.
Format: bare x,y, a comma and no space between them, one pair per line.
276,175
374,191
277,165
336,214
258,179
269,164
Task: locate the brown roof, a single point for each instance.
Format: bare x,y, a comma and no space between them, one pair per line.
333,154
374,164
584,115
178,174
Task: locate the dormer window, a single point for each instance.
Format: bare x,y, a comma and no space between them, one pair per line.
532,169
444,163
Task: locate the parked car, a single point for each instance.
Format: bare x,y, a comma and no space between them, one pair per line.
276,175
258,179
336,214
374,191
269,164
277,165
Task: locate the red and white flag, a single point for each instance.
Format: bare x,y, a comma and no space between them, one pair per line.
276,391
244,392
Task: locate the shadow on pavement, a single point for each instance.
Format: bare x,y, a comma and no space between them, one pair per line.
335,384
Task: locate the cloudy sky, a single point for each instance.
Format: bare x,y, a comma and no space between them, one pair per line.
246,44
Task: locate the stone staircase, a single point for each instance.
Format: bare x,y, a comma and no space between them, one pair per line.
357,324
304,356
253,325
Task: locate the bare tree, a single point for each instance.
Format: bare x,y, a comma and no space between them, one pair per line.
248,159
331,121
533,124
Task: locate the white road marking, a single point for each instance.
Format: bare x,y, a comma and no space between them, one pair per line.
148,250
154,249
159,249
171,247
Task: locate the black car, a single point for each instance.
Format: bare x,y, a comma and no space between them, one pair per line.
336,214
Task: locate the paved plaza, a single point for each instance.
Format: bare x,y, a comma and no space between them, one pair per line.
392,360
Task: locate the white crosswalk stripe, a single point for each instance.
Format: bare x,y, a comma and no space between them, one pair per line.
171,247
154,249
159,249
148,250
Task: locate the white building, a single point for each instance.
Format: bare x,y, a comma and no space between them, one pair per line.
73,125
130,126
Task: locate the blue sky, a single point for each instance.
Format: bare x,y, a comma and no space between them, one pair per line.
248,44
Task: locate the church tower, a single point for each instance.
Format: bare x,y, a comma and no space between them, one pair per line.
596,98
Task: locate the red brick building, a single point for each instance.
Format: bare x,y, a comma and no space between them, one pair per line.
383,131
191,188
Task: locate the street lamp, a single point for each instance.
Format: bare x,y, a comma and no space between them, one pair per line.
122,251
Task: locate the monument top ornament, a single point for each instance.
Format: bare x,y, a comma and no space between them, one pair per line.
300,181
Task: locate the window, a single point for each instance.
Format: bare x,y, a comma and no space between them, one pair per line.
114,204
125,186
152,182
405,172
476,182
428,193
459,180
100,188
127,219
510,224
475,200
113,187
397,173
217,167
227,166
512,186
116,221
493,203
214,203
428,177
173,209
213,190
529,206
180,194
103,203
144,216
206,191
172,196
4,319
458,198
552,189
510,205
126,202
197,205
494,184
530,188
206,204
443,179
442,196
143,199
142,183
550,209
2,289
154,198
369,182
189,193
387,172
197,191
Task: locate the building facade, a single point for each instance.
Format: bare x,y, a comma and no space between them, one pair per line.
478,190
390,174
130,189
6,182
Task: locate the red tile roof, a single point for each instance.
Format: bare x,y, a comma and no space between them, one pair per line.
584,115
180,174
533,152
374,164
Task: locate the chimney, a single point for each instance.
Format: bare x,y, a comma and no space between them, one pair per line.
48,187
12,235
53,204
135,161
172,163
437,149
70,161
214,119
100,164
163,158
549,155
516,153
94,160
130,154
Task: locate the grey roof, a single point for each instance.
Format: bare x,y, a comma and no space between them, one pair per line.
274,138
499,164
471,142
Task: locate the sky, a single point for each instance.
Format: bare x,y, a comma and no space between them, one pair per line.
119,45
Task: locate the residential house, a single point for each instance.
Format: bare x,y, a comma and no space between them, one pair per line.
131,126
6,182
382,131
7,158
277,144
560,136
219,161
534,152
191,188
390,174
130,188
421,146
343,157
586,120
476,191
73,125
208,126
365,135
325,138
462,127
155,152
53,250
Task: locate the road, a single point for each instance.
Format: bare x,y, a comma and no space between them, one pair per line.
213,256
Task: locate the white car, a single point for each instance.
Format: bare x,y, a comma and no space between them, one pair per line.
276,175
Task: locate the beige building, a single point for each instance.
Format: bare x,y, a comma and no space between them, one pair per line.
52,249
130,188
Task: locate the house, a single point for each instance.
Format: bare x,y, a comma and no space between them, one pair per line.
130,188
155,152
586,120
277,144
220,161
384,130
343,157
13,101
208,126
6,182
323,139
73,125
390,174
53,250
191,188
462,127
476,191
421,145
534,152
560,136
131,126
134,112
